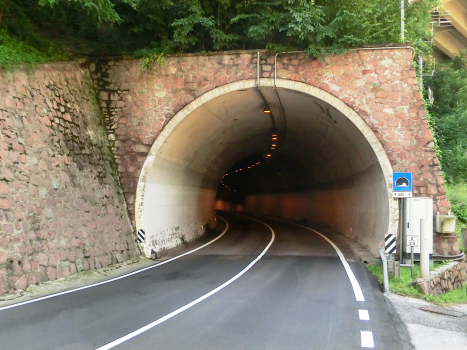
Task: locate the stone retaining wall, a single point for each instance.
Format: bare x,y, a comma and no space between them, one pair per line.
444,279
61,206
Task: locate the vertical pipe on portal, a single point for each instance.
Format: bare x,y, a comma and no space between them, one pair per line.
257,68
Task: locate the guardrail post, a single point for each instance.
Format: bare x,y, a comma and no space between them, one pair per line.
385,270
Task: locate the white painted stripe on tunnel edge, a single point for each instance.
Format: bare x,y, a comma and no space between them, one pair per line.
194,302
119,277
363,315
367,339
353,280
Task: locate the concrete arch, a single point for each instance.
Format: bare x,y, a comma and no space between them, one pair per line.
159,153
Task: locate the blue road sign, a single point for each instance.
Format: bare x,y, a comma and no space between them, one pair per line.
402,182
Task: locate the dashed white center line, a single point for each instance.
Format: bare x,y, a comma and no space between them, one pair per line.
363,315
367,339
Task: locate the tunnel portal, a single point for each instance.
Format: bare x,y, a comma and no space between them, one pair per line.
312,159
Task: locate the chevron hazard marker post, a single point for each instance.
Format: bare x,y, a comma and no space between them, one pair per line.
146,248
390,243
141,236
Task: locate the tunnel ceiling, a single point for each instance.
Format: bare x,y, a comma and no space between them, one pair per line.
233,126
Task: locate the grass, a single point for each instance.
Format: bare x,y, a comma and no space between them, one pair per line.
403,286
457,194
14,51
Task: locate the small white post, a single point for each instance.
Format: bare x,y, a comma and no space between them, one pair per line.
424,248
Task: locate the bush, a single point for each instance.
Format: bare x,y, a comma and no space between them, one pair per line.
457,194
13,51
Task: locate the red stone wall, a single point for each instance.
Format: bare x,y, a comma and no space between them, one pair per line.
61,206
380,85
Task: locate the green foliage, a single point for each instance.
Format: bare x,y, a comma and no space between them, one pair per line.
111,27
418,28
404,286
458,197
363,22
197,29
103,10
449,115
14,51
149,58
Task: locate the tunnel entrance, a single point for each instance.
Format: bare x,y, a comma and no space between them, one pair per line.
258,174
312,158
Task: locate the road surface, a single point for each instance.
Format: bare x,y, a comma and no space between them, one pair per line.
264,284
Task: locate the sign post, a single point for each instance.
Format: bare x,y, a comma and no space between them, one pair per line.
402,187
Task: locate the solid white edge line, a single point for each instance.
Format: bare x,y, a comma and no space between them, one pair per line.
353,280
194,302
367,339
363,315
119,277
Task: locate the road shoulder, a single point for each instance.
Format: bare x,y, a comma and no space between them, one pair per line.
428,330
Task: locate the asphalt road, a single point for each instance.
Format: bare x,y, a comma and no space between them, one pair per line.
297,295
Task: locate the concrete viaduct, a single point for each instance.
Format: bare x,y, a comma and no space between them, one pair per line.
173,131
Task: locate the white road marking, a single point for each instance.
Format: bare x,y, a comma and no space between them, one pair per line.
194,302
367,339
363,315
355,286
119,277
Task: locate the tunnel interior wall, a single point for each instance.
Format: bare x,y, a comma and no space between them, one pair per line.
356,207
179,205
61,206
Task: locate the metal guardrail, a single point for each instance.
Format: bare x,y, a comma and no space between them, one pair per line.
385,270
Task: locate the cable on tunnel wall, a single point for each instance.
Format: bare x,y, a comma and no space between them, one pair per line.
266,105
283,114
258,87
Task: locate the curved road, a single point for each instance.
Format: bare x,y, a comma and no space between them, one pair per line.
264,284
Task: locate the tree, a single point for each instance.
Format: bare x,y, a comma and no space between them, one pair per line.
449,114
137,27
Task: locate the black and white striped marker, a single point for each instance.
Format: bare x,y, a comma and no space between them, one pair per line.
390,243
141,236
